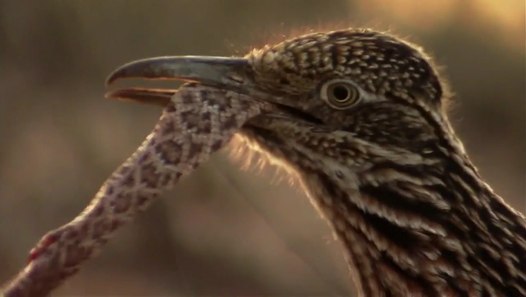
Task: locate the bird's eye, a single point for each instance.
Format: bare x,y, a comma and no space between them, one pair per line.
340,93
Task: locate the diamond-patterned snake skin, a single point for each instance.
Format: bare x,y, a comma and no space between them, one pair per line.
198,121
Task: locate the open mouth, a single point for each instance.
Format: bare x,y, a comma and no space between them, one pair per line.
162,97
231,74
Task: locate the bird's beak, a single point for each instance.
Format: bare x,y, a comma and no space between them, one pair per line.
221,72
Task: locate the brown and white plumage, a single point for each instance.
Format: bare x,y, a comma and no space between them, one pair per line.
388,171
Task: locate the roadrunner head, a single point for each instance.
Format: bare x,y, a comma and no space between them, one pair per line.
361,84
358,81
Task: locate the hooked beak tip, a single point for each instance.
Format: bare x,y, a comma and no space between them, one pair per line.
111,78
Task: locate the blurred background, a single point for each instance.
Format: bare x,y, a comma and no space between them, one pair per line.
222,231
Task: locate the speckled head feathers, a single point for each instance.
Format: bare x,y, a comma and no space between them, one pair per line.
380,64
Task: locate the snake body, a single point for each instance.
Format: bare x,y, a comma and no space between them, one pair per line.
198,121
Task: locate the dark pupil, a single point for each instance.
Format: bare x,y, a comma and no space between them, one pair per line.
340,93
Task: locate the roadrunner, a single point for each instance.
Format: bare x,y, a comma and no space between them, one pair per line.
359,116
